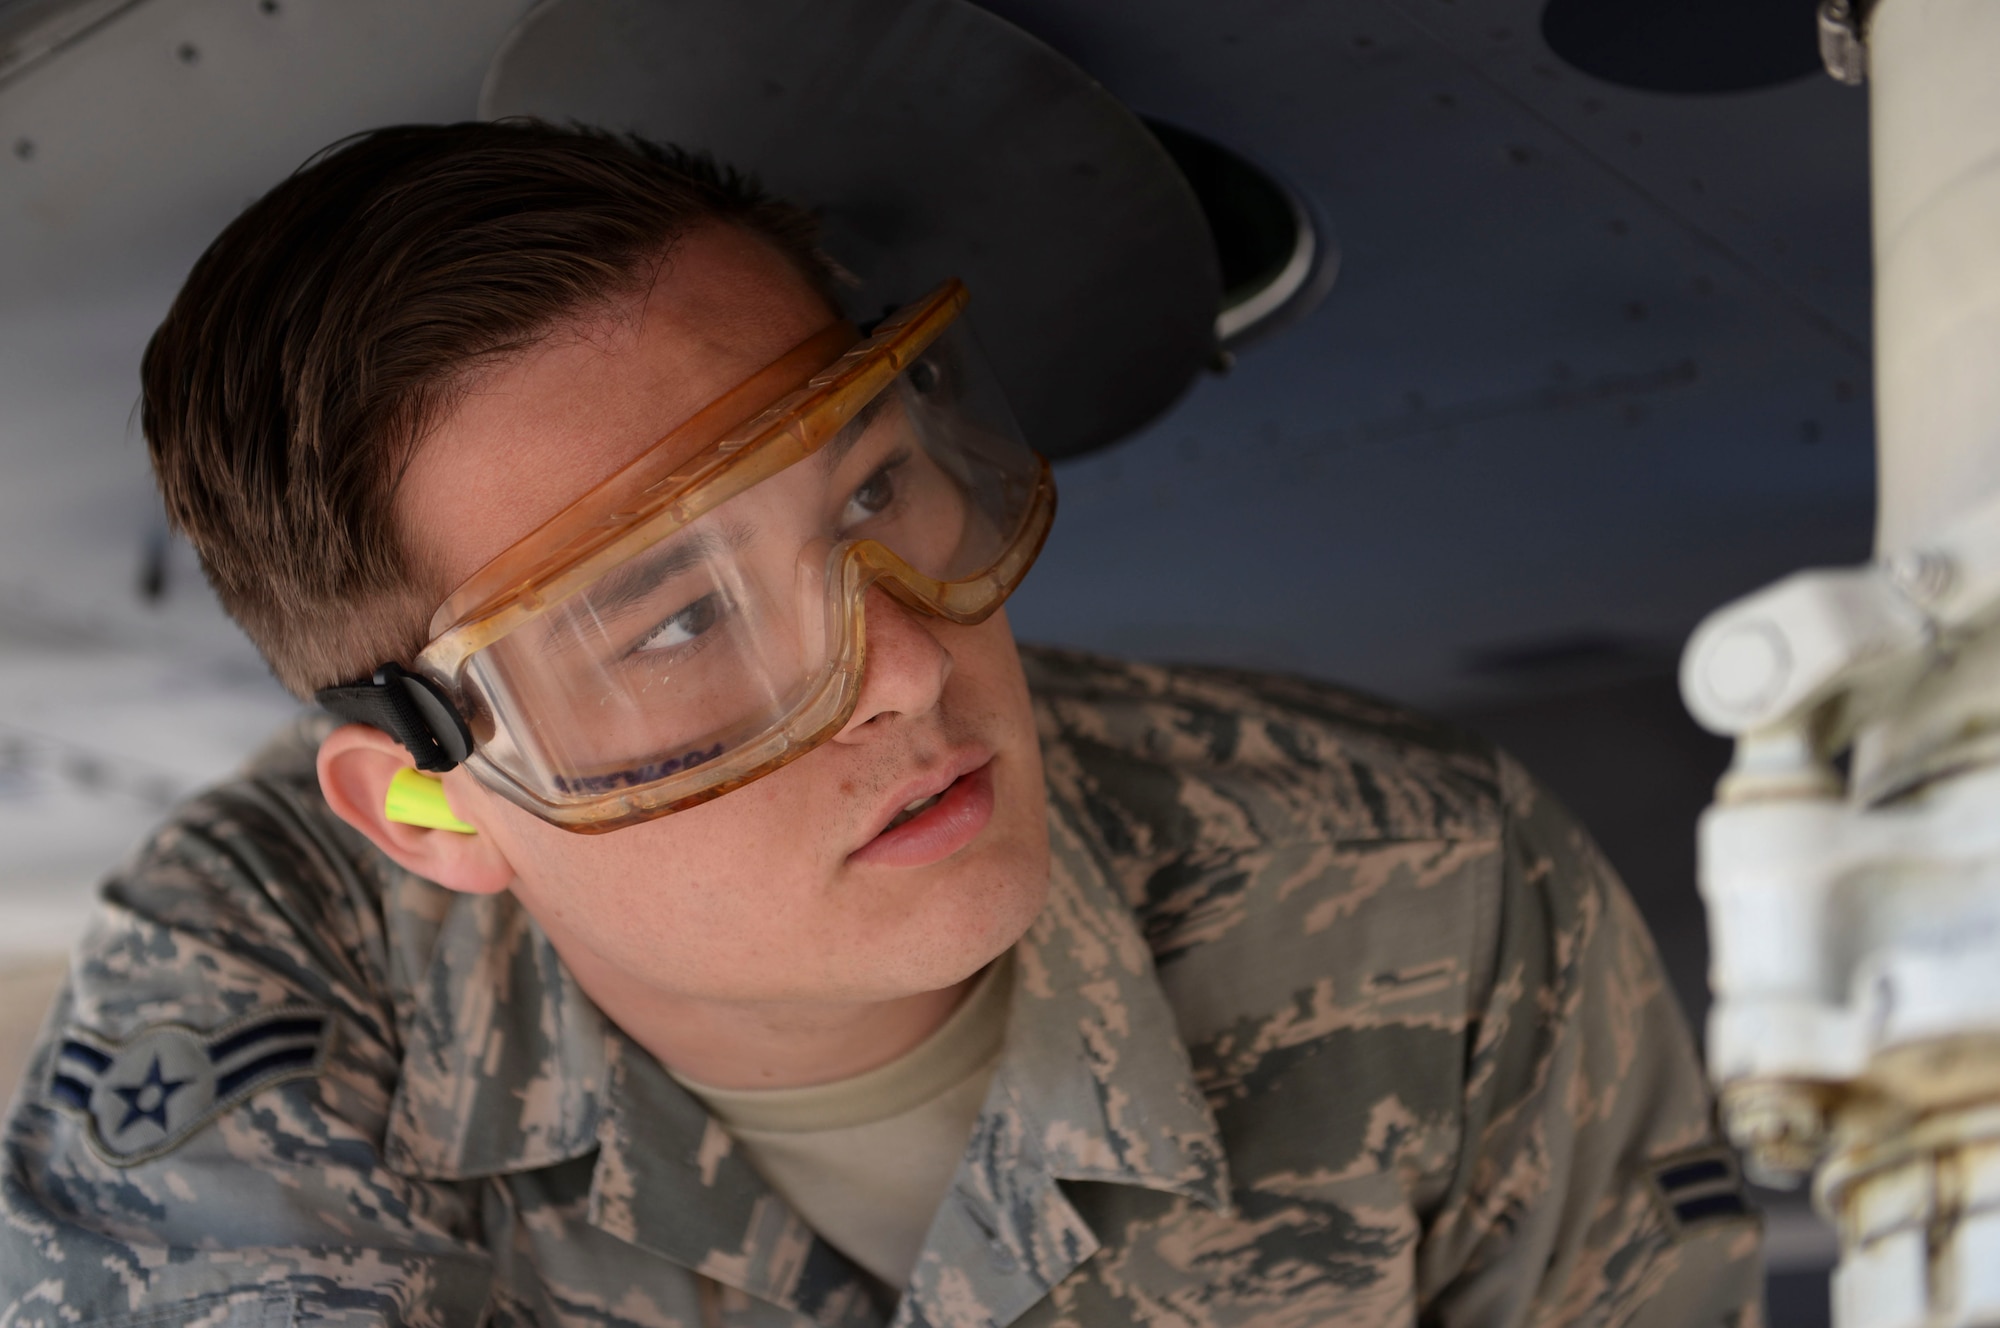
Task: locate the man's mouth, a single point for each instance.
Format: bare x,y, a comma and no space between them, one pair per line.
914,810
934,825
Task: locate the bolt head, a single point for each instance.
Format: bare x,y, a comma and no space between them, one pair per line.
1921,575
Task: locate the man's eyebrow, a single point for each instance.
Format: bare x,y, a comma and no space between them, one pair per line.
625,585
835,449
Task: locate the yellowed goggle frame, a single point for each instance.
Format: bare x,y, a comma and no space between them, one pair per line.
757,430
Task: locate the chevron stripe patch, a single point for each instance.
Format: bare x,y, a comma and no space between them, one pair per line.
146,1096
1700,1186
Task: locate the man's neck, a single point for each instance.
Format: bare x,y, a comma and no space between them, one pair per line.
770,1044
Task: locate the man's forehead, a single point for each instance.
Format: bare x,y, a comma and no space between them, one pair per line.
531,434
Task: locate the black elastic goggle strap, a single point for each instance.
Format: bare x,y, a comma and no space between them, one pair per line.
410,709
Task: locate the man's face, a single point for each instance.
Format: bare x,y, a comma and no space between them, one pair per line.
786,889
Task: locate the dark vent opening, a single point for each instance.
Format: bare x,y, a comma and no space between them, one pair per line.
1265,241
1566,654
1686,46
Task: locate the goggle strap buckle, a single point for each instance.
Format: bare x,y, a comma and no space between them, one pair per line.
409,708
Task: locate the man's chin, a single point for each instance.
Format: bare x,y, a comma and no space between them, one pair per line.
953,918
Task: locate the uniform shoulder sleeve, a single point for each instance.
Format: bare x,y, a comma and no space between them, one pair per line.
1161,761
198,1135
1591,1187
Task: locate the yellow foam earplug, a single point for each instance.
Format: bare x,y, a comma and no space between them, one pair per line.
416,798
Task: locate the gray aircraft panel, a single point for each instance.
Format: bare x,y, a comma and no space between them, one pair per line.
121,154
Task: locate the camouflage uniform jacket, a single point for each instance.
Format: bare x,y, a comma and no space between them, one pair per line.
1331,1018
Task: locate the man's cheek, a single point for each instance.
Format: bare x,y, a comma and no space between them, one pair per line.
783,817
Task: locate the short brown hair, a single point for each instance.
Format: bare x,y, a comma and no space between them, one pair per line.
326,329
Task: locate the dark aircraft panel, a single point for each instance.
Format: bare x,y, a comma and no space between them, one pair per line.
1595,362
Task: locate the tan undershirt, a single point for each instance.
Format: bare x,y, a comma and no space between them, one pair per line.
866,1161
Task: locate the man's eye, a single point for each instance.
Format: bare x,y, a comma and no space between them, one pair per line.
689,625
875,496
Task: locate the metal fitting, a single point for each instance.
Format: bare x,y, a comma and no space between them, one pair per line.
1842,44
1780,1128
1921,575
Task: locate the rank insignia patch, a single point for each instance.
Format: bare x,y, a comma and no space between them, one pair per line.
144,1097
1700,1186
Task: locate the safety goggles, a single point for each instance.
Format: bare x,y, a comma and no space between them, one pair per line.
696,621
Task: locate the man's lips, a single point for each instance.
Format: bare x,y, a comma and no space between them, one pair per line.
963,806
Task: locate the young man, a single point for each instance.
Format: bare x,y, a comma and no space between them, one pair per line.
781,944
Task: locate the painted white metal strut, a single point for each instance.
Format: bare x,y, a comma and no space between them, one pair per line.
1855,916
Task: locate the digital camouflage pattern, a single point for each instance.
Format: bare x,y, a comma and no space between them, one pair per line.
1332,1018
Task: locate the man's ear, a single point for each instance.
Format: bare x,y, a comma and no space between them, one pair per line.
356,763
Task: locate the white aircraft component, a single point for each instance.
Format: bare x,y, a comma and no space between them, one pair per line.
1855,917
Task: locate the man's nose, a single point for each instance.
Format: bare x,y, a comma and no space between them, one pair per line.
905,669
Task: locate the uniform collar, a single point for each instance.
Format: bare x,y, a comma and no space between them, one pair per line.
508,1067
1095,1085
504,1057
1094,1065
